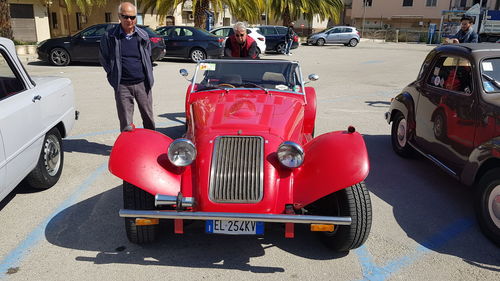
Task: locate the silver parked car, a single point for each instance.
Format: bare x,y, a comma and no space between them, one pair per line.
347,35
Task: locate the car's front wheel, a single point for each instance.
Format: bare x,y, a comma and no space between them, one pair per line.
50,162
197,55
399,136
137,199
59,57
354,202
320,42
487,204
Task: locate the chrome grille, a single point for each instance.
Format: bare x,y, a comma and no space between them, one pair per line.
237,169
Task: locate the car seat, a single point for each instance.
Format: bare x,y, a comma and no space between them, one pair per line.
271,79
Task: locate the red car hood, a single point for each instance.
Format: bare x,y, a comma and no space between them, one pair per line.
248,112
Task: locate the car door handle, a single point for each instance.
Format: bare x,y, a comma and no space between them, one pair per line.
37,97
98,41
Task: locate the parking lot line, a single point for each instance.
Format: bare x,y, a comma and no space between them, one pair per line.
15,256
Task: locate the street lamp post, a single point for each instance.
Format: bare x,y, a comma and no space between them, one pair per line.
363,22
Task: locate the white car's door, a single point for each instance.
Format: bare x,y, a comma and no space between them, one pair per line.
20,124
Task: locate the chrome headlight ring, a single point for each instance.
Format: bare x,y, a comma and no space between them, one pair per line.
290,154
181,152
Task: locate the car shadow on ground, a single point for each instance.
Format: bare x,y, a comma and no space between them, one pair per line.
21,188
432,208
85,146
378,103
44,63
94,225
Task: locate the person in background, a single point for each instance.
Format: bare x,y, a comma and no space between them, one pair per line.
290,34
240,45
125,54
466,33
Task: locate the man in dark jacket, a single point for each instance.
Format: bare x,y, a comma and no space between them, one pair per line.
125,54
240,45
290,34
466,33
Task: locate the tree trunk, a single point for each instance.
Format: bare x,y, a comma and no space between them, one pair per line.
5,23
199,13
286,17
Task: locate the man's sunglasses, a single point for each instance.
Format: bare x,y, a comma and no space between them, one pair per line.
240,35
128,17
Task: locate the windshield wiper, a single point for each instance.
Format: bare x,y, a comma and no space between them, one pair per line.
492,80
255,85
214,87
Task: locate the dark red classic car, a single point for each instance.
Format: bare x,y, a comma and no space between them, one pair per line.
248,158
451,115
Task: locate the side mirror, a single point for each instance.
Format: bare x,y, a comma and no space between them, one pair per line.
183,72
312,77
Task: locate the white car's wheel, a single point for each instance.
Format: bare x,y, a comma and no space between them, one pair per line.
50,163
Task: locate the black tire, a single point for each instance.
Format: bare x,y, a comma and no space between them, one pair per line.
50,163
320,42
439,127
487,209
399,136
59,57
281,48
353,42
197,55
354,202
137,199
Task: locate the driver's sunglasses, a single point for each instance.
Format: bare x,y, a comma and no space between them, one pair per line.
128,17
240,35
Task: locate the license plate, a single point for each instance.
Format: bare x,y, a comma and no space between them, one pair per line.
234,227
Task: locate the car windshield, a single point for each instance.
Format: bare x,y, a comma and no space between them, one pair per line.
268,74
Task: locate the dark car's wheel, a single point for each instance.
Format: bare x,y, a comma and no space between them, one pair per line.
353,42
197,55
487,204
353,202
439,127
281,48
59,57
50,163
137,199
320,42
399,136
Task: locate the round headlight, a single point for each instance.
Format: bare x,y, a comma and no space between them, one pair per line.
181,152
290,154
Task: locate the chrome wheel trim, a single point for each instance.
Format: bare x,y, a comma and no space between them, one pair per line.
52,155
353,42
494,205
401,133
438,126
320,42
281,48
197,55
59,57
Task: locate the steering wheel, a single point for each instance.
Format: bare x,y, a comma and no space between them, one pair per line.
227,84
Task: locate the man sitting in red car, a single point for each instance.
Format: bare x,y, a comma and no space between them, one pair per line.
240,45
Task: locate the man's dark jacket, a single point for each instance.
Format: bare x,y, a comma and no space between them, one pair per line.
110,56
466,37
235,50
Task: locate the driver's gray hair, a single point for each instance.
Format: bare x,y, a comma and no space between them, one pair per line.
120,7
240,26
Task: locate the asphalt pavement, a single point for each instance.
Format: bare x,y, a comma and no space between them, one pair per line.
423,221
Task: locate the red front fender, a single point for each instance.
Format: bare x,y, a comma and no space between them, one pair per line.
140,158
333,161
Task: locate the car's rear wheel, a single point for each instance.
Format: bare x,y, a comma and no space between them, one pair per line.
487,204
137,199
197,55
399,136
59,57
353,42
281,48
320,42
354,202
50,163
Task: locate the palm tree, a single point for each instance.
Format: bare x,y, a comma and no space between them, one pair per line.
248,10
291,10
5,26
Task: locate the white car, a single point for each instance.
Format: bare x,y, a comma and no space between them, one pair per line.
35,113
253,32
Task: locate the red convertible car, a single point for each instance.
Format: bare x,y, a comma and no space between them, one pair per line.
248,158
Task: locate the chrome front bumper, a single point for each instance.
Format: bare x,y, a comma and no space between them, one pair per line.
125,213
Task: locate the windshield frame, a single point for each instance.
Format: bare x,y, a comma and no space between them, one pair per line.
197,71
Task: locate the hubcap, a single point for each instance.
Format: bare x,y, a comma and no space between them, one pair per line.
59,57
402,133
494,205
281,48
197,55
353,42
52,155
